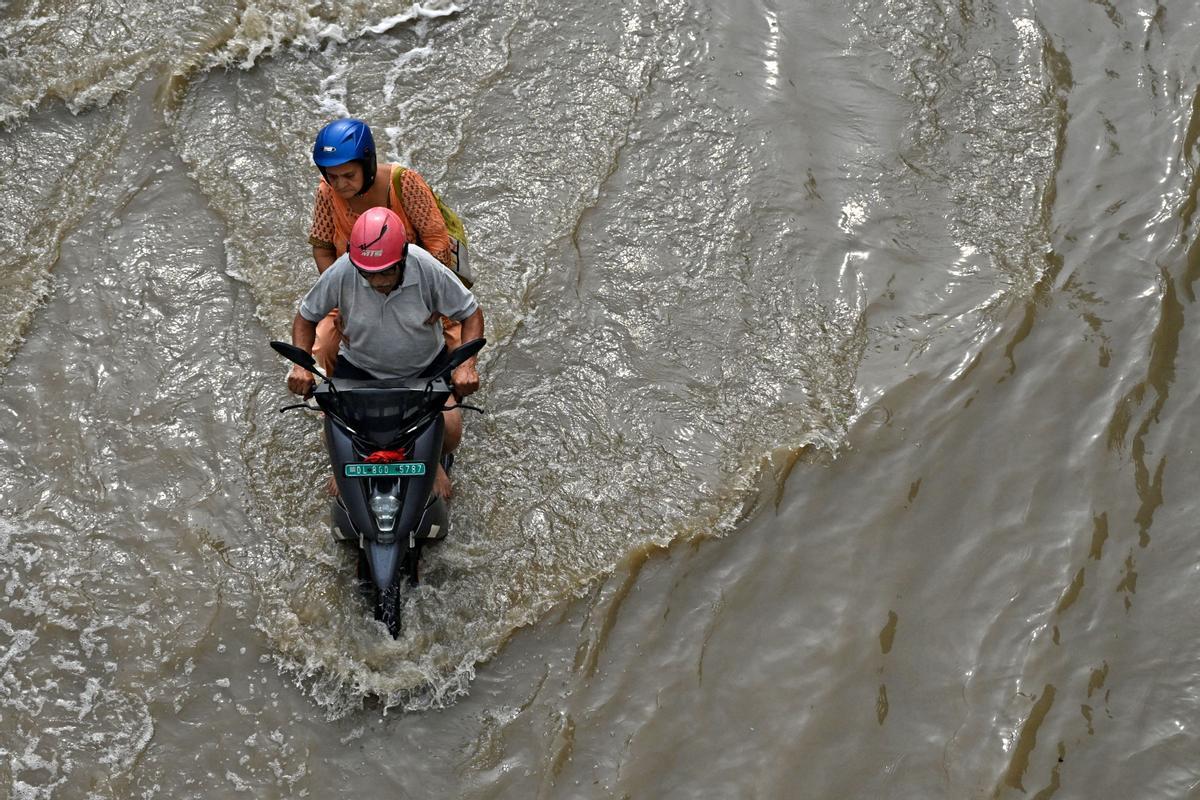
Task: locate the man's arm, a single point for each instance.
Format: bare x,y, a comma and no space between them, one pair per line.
472,327
465,378
304,334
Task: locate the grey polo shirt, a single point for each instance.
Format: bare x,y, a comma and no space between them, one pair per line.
386,334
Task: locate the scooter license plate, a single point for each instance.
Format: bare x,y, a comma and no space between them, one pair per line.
393,470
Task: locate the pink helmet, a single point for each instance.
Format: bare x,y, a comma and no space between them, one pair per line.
377,240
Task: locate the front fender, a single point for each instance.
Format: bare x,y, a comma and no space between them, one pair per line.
383,560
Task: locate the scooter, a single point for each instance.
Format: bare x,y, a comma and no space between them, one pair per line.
384,439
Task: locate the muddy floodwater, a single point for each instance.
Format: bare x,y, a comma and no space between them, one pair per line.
841,397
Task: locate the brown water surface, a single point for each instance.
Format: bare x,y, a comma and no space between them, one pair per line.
834,444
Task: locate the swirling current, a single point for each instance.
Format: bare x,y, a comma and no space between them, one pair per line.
836,397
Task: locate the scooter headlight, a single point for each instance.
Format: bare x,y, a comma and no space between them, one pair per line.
384,507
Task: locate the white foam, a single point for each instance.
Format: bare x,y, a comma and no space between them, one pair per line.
261,31
399,66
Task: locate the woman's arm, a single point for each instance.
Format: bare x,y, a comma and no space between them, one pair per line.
321,234
324,256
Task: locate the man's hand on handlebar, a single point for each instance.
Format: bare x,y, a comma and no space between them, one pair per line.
465,379
300,381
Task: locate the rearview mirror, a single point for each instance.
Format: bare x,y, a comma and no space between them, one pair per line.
297,356
464,351
448,362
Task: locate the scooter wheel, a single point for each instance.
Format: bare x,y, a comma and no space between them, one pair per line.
387,609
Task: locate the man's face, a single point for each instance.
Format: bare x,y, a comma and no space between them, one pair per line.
346,179
383,281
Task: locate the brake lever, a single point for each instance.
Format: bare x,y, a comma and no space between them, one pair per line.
305,406
467,407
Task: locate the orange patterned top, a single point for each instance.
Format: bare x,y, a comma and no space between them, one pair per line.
408,195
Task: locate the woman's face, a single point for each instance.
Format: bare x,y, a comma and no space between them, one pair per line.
346,179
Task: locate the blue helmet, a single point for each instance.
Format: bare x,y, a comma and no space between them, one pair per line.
345,140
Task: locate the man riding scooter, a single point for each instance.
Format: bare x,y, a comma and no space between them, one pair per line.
392,296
